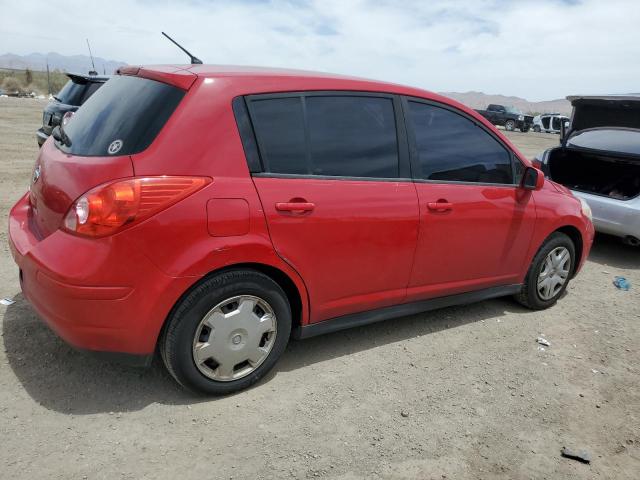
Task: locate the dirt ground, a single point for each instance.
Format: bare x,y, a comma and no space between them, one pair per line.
459,393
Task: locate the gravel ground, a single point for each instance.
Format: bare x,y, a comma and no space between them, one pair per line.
458,393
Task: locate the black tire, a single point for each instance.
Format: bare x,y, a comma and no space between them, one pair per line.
536,128
510,125
524,129
176,342
529,296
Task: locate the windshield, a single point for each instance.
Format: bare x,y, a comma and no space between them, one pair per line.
122,118
512,109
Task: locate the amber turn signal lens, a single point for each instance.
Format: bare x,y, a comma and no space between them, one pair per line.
107,208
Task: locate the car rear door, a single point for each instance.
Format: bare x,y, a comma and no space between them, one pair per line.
335,186
475,221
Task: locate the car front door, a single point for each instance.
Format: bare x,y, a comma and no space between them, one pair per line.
337,195
475,221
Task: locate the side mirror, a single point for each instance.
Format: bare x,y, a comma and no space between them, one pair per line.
533,179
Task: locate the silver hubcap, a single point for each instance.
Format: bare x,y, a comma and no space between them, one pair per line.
234,338
554,273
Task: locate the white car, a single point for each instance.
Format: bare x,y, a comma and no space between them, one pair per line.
599,161
549,122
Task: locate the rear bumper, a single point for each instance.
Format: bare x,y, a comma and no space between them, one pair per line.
614,217
98,295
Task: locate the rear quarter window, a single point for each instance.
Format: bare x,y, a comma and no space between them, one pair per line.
122,117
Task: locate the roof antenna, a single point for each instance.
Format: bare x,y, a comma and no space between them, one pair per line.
194,60
93,69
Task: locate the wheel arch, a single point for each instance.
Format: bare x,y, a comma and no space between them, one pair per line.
576,237
297,298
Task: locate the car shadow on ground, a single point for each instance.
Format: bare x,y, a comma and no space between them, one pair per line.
62,379
610,251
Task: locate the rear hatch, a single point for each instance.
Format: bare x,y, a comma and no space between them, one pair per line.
611,111
121,119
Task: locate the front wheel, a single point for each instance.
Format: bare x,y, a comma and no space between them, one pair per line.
549,273
536,129
510,125
227,333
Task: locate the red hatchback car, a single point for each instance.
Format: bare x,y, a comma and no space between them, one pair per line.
212,212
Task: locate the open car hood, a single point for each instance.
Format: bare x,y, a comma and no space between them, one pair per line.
617,111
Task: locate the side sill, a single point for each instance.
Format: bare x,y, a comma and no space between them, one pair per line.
395,311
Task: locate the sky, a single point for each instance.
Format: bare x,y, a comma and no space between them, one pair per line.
539,50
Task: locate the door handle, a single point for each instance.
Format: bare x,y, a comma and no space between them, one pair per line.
440,206
295,206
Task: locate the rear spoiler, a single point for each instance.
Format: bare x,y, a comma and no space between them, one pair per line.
170,74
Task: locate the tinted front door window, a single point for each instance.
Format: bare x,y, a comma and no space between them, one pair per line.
453,148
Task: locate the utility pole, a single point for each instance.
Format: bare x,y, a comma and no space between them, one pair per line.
48,79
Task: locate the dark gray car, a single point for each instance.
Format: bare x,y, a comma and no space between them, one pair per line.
75,92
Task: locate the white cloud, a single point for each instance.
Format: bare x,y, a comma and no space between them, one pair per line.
539,49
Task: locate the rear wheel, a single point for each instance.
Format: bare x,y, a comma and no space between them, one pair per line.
549,273
227,332
510,125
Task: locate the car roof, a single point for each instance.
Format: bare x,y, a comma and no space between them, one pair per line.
301,78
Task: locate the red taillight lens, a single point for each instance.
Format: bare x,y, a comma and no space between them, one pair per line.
104,210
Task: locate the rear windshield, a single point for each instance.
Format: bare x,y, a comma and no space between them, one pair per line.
71,93
122,118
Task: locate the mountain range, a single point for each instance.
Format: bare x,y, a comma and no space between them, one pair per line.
479,100
66,63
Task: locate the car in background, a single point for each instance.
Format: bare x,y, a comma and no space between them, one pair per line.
508,117
75,92
549,122
256,204
599,161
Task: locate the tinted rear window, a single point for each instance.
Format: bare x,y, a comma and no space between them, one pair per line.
279,127
122,118
351,136
71,93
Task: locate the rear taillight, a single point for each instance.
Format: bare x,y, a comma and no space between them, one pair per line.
106,209
66,118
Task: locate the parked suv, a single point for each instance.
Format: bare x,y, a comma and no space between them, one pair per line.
549,122
508,117
75,92
213,212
